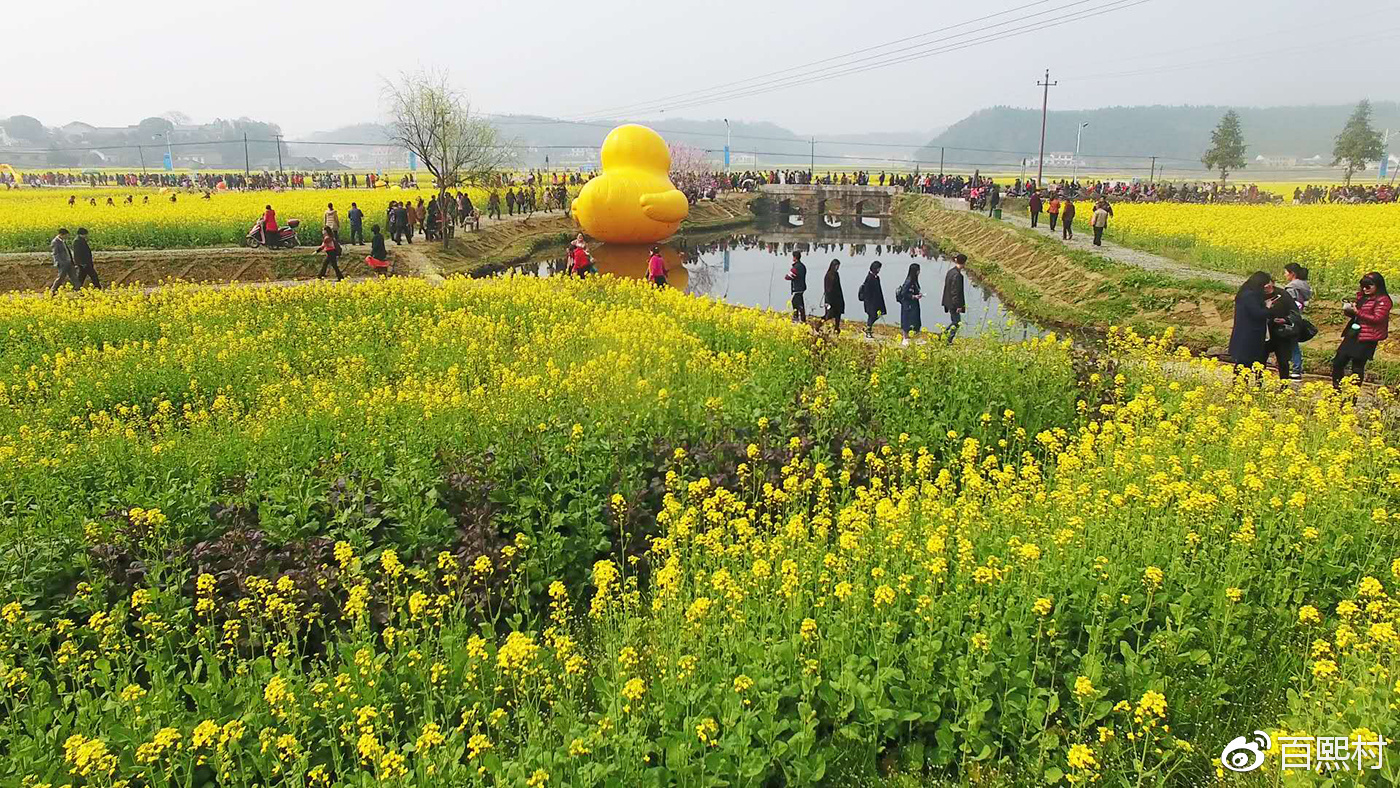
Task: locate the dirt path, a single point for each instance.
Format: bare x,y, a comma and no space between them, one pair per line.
1083,240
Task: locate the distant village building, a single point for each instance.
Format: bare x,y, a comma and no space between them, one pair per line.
1276,162
1054,160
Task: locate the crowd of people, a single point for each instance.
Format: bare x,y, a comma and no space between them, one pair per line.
276,180
1270,321
909,295
1345,195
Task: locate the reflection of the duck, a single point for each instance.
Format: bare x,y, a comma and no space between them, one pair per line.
629,262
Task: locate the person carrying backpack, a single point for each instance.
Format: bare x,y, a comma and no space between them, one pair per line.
1295,279
331,247
908,295
873,296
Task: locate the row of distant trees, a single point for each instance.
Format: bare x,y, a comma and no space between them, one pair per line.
1357,144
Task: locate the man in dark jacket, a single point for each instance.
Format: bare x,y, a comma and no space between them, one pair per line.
954,297
1035,208
357,224
798,277
873,296
82,258
993,199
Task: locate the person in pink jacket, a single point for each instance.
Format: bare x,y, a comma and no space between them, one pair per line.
656,268
1368,325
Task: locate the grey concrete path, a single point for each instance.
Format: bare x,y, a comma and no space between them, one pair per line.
1084,241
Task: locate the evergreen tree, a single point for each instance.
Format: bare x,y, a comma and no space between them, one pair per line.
1358,143
1226,147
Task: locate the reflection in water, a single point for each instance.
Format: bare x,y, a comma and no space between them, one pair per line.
748,269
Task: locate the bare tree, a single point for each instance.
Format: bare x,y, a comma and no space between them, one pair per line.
434,120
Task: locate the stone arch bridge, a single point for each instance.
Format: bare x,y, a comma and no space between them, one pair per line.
817,199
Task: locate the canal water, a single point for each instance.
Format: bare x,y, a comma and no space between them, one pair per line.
747,268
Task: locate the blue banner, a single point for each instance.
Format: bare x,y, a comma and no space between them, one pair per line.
412,160
169,165
726,157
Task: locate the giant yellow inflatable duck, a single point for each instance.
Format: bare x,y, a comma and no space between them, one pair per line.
633,200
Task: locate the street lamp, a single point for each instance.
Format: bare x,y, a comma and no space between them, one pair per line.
169,154
1077,136
726,145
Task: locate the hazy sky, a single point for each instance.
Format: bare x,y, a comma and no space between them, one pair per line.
312,65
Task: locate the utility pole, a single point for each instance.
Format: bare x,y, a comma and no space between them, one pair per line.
812,170
247,172
1152,171
1044,108
140,151
279,151
941,149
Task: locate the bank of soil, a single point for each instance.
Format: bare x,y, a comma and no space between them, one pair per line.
147,268
1055,285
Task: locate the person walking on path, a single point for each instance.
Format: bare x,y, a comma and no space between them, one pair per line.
493,205
993,199
331,247
62,261
1295,278
82,260
1067,220
955,295
656,267
403,225
873,296
332,220
798,277
1035,208
1100,221
1247,342
908,295
833,295
1368,326
357,224
1054,210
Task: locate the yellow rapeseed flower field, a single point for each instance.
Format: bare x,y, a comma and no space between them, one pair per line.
1338,243
588,532
30,217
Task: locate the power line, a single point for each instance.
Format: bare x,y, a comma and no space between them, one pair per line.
782,84
625,107
1235,58
915,161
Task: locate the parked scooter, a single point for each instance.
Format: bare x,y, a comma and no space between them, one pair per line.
282,238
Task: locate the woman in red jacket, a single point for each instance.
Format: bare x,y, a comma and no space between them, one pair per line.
1368,326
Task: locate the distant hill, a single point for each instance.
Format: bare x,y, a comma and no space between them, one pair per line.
1177,134
566,143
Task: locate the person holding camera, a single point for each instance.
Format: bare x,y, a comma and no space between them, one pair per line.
1368,326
